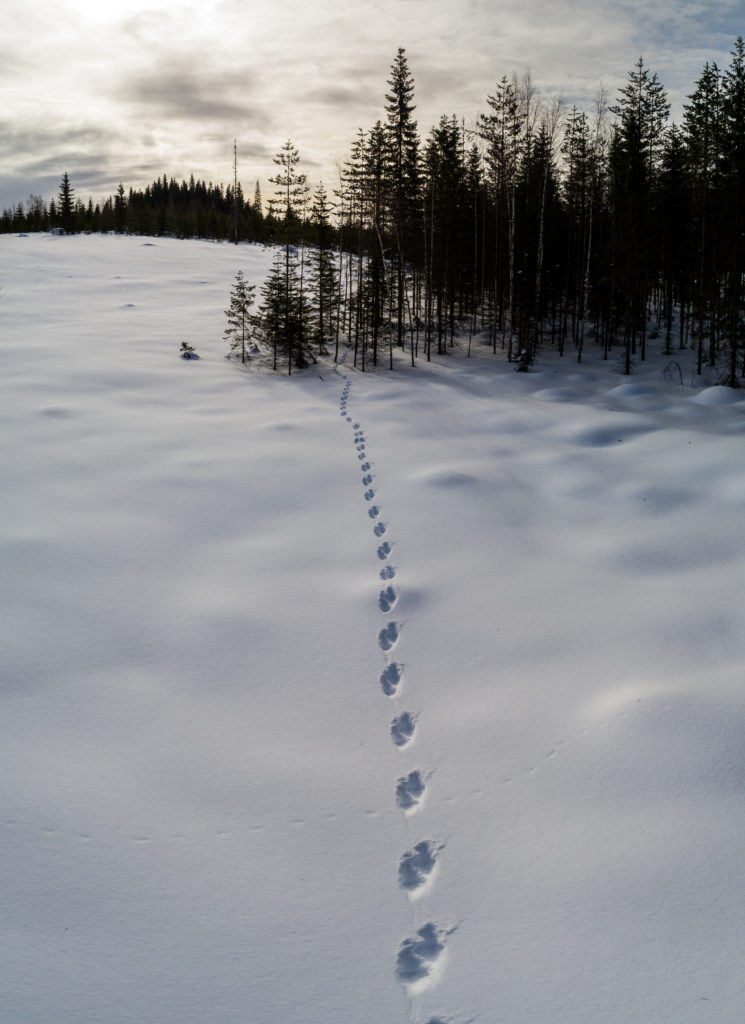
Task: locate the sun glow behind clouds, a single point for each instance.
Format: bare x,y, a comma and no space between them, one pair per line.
114,10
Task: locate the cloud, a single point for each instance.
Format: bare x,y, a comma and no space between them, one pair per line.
340,96
12,63
35,150
183,90
34,157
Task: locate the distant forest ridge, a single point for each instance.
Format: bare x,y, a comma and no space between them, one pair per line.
192,209
541,224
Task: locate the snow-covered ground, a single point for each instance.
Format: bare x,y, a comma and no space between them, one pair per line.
226,594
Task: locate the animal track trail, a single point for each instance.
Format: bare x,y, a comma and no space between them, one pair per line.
421,957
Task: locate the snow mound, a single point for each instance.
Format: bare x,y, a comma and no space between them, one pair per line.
609,434
718,394
559,394
446,478
632,389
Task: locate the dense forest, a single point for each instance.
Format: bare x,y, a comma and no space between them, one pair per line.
537,225
192,209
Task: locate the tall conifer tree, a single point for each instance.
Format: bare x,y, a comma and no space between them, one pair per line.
322,260
66,205
642,110
289,203
403,145
734,170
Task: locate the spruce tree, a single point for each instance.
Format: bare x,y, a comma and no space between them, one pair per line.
704,138
500,130
577,151
120,210
377,182
733,107
323,276
66,205
403,146
675,235
443,216
355,187
541,209
289,203
473,211
239,315
272,318
642,110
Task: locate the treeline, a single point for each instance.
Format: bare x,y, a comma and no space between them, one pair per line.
534,226
192,209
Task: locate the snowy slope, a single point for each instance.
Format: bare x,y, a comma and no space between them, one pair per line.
207,645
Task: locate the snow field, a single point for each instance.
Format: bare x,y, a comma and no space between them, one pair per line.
383,697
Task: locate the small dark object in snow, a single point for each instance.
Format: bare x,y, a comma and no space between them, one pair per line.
187,351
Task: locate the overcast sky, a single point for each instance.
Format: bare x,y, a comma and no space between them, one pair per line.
126,90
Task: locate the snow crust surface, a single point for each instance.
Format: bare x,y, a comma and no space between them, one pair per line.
383,697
